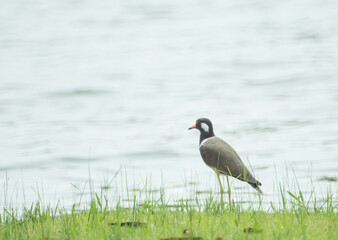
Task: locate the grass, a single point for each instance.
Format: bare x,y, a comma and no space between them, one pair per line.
211,218
150,214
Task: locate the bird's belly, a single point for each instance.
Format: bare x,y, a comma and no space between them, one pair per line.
217,171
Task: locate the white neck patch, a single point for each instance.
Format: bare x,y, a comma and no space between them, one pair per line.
205,127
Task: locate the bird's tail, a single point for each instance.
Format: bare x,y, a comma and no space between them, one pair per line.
256,185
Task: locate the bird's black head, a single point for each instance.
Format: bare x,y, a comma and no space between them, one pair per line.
204,125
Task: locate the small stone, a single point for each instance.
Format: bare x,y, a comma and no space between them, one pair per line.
248,230
251,230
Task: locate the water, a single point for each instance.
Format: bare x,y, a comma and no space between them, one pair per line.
91,88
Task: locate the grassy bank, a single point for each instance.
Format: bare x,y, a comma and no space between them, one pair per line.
211,218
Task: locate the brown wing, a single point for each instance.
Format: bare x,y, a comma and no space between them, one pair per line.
220,156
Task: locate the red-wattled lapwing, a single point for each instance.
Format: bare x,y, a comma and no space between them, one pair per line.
221,157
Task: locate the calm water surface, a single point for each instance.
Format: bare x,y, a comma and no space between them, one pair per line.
89,88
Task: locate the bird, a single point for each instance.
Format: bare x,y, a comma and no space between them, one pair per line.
221,157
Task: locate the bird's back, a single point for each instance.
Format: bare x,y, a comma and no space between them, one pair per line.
221,157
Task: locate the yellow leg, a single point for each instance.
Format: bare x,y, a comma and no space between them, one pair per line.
220,184
229,192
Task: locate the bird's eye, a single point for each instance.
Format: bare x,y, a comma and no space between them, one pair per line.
198,123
